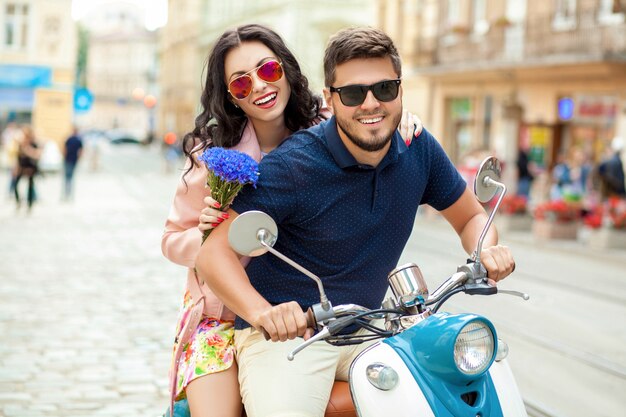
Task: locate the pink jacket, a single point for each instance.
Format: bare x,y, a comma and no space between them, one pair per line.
181,243
181,239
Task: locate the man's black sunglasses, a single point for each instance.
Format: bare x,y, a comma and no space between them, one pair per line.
354,95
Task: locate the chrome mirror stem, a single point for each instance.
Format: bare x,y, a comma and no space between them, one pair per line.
488,181
265,237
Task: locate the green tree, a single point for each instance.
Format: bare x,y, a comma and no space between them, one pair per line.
83,51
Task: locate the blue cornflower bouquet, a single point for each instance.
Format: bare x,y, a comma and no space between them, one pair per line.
229,171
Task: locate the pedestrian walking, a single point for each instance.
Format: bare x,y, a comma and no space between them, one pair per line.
10,139
525,175
28,155
570,177
611,171
72,151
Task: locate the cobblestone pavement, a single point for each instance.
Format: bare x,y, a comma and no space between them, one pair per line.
87,301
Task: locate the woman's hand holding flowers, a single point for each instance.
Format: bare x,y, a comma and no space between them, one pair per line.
212,215
228,171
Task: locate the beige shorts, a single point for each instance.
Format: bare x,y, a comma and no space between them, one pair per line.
273,386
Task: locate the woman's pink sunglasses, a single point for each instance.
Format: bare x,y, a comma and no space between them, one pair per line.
270,72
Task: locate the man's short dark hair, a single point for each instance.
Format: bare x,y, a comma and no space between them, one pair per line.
354,43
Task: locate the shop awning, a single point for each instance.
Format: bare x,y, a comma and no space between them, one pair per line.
25,76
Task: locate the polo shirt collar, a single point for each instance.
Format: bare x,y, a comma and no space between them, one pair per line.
344,158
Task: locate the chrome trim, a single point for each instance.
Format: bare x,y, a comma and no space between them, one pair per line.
454,281
408,285
351,378
410,321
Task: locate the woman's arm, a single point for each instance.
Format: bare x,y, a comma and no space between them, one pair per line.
31,151
181,239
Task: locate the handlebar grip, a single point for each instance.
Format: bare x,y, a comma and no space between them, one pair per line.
310,319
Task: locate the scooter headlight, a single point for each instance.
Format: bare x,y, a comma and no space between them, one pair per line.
474,348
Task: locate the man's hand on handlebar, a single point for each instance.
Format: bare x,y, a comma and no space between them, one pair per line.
498,261
283,322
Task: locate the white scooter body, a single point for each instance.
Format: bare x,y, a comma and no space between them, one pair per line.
403,401
407,398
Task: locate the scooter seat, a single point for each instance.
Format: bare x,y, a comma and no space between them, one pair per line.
340,403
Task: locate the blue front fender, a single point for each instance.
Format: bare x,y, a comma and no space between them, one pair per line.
427,349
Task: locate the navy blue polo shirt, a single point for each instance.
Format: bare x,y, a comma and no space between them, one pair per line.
72,146
345,222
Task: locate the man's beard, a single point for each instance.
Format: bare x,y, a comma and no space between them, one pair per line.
373,143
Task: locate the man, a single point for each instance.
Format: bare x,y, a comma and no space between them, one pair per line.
72,152
525,176
612,171
344,195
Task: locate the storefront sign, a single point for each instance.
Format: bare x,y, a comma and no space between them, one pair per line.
595,109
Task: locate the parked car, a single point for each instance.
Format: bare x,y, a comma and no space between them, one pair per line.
118,136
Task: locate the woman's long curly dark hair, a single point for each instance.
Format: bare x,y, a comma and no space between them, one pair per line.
221,123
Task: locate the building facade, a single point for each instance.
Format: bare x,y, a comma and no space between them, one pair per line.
122,70
38,44
500,75
181,62
192,30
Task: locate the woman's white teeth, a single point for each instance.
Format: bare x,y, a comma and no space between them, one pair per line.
266,99
369,121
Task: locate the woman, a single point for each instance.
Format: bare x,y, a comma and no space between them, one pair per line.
255,96
28,155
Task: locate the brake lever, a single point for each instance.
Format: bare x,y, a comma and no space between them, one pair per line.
522,295
333,327
485,289
324,333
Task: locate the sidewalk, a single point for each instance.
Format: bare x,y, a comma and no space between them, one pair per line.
87,302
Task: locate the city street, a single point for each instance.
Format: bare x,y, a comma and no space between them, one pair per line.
88,303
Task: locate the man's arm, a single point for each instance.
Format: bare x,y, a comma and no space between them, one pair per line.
468,219
218,265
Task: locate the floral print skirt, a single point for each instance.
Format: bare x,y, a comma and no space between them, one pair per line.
209,350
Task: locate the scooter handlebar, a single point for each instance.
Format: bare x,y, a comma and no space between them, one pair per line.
310,319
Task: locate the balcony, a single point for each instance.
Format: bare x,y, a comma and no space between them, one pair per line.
539,40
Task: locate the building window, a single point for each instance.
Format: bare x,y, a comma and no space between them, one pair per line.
455,26
611,12
479,20
15,25
564,15
461,128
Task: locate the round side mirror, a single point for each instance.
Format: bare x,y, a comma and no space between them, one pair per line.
247,230
491,168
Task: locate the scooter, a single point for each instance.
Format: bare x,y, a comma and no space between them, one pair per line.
427,363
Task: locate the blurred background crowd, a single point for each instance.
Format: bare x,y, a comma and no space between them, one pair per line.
539,84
